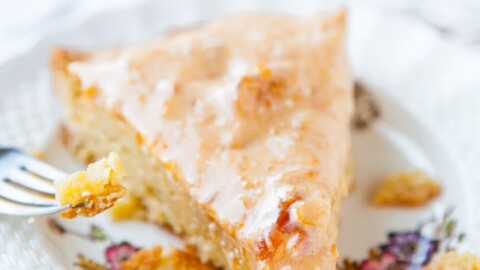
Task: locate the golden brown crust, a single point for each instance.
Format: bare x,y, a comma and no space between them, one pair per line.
454,261
61,58
156,259
95,204
410,189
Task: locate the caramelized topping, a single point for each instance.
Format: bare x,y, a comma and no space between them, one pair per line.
286,233
259,93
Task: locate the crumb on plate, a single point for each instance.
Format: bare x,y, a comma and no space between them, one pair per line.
410,189
454,261
155,259
38,154
127,208
99,187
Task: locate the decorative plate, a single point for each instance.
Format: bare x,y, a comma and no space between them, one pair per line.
395,142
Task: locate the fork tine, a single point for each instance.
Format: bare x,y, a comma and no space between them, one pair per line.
15,194
14,209
31,182
38,168
26,203
26,185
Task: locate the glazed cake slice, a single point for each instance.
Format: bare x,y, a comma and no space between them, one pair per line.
235,133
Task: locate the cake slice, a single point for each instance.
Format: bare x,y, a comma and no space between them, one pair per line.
235,133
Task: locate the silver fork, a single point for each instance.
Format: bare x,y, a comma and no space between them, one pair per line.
26,185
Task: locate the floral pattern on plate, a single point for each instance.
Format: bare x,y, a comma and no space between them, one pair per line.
411,249
403,250
114,254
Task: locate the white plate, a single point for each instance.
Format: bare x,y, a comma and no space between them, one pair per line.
397,142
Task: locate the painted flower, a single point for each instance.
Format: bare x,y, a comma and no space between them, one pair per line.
118,253
87,264
97,233
55,226
410,247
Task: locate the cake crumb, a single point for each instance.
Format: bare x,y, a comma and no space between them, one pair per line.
454,261
155,259
409,189
127,208
95,189
38,154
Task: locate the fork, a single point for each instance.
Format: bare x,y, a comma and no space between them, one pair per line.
26,185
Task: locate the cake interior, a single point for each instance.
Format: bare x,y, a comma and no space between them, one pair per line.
92,132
